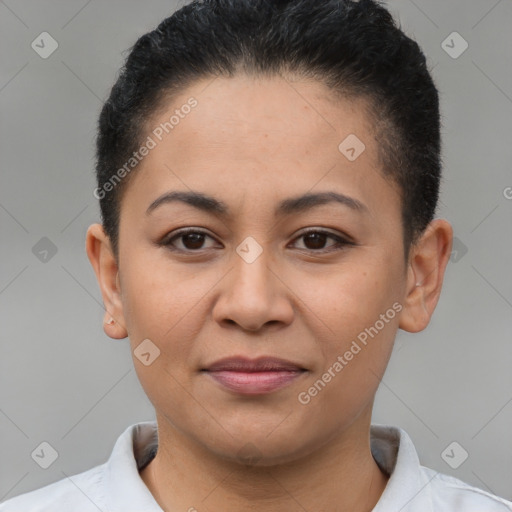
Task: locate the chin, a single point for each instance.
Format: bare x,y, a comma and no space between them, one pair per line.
258,449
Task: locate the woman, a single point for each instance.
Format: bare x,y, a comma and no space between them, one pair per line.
268,175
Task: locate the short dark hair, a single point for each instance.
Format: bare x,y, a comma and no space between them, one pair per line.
353,47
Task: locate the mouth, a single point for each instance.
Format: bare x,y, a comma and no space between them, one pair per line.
254,376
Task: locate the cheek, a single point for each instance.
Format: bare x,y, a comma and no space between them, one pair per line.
167,304
351,297
356,313
362,319
158,294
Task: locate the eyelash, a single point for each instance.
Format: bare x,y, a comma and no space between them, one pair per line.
341,242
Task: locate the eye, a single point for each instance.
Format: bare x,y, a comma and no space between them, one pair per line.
315,239
192,240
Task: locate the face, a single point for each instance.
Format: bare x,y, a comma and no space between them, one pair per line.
319,283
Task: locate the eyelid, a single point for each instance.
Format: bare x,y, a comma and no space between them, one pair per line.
192,229
340,239
183,231
342,236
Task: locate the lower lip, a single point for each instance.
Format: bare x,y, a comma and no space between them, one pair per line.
255,383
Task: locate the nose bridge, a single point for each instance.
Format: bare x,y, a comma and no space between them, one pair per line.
250,297
252,278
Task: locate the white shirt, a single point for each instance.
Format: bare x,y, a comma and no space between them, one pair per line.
116,486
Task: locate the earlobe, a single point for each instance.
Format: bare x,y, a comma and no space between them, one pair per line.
425,273
100,254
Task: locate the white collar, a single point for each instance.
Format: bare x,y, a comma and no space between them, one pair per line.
116,485
124,488
407,489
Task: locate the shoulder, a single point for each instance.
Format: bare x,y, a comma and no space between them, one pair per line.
113,484
450,493
413,487
76,493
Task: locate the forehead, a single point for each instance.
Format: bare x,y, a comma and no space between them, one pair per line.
245,114
261,136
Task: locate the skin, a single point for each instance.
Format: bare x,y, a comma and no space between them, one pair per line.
252,143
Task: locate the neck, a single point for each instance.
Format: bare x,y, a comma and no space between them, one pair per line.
341,475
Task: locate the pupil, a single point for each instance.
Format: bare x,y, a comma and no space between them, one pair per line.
316,237
195,238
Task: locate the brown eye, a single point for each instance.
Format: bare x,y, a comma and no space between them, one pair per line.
189,240
193,240
315,240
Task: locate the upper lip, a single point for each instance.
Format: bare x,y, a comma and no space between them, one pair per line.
261,364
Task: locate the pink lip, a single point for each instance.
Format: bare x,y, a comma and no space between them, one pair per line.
256,376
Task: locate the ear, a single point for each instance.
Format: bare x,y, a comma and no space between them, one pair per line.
101,256
427,262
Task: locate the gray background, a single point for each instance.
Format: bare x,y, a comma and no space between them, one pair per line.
65,382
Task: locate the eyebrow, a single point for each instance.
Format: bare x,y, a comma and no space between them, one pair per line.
288,206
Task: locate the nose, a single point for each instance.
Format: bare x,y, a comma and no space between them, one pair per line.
253,295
